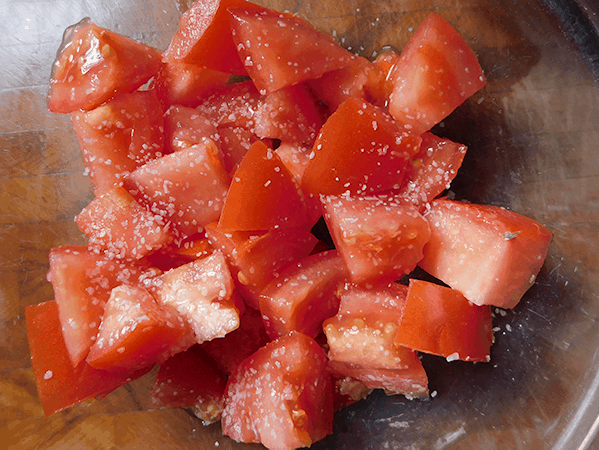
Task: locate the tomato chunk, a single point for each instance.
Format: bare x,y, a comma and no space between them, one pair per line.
439,320
121,228
255,258
359,149
262,195
183,84
436,72
180,252
289,114
190,379
60,384
202,292
489,254
280,50
204,36
136,332
432,169
235,143
116,138
377,237
303,295
82,281
187,187
94,64
281,396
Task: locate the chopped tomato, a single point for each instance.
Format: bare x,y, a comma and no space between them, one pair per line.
82,281
377,237
116,138
136,332
233,105
303,295
202,292
237,345
204,36
93,65
281,396
185,127
489,254
187,187
255,258
431,170
183,84
191,379
262,195
120,228
435,73
359,149
289,114
439,320
356,80
386,62
280,50
60,384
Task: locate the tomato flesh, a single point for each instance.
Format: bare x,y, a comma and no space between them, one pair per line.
94,65
116,138
303,295
280,50
377,237
281,396
489,254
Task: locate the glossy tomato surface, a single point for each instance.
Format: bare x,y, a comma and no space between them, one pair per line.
531,134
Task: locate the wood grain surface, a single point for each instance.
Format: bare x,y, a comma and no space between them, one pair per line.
533,134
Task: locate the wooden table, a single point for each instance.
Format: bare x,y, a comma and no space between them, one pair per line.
533,134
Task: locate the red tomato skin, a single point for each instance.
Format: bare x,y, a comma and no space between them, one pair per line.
120,228
431,170
93,65
303,295
202,292
378,238
286,380
183,84
190,379
82,281
255,258
441,321
116,139
136,332
263,195
359,149
435,73
187,187
490,254
59,383
283,50
204,36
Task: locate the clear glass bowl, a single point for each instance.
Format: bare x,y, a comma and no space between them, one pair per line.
533,135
